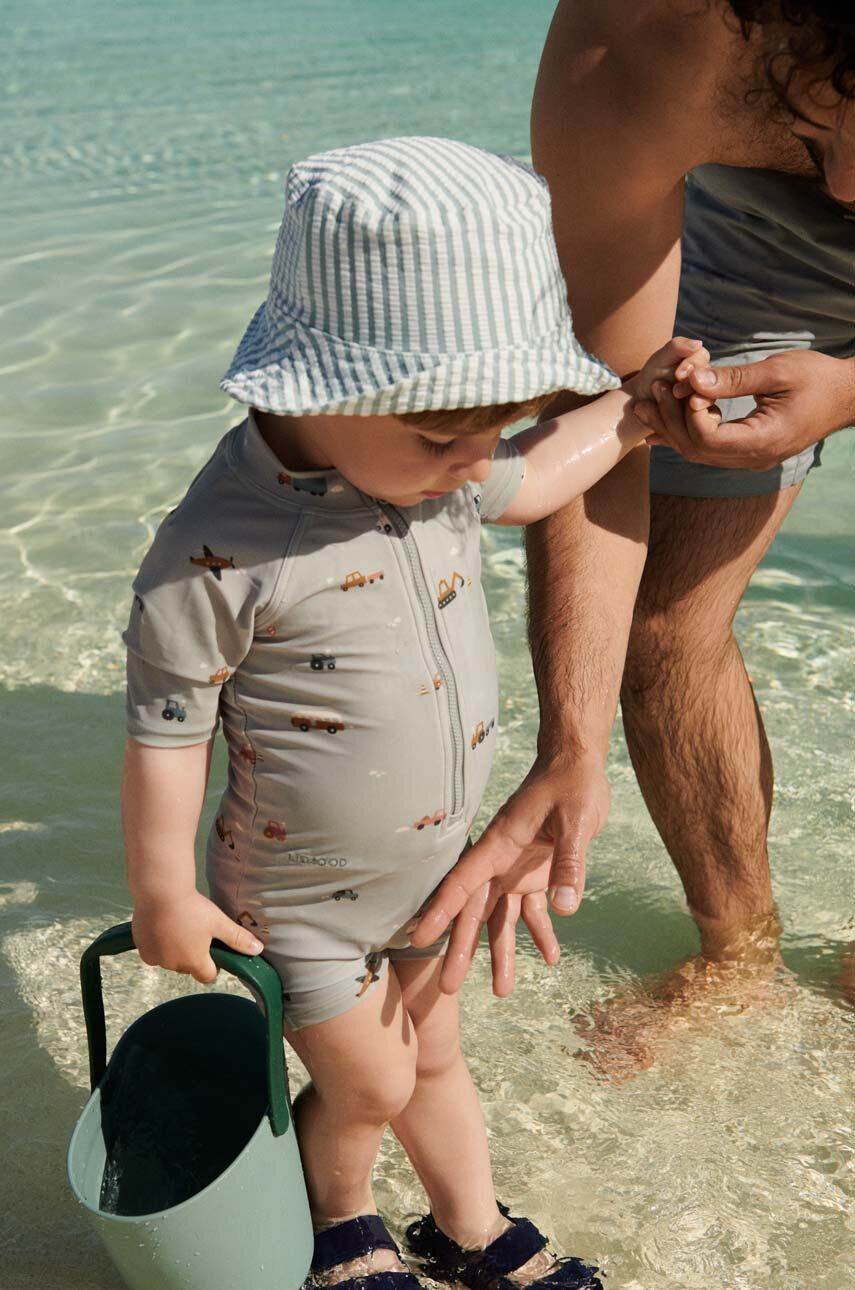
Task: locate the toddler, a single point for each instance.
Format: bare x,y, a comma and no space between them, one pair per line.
318,591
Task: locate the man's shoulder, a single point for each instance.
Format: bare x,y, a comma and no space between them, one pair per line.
661,81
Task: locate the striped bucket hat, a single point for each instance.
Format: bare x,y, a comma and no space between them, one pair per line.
412,274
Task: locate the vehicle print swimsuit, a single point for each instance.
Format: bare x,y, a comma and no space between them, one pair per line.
345,645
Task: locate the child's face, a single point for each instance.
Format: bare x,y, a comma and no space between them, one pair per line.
385,457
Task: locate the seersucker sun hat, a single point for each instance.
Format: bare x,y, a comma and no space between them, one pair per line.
412,274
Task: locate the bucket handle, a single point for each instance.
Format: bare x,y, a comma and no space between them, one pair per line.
253,971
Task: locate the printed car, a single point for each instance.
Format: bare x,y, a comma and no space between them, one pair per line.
314,484
357,579
275,830
304,722
347,894
436,818
320,661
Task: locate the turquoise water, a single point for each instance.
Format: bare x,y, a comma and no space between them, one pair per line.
142,158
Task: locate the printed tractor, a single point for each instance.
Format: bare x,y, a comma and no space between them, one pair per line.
445,591
173,711
320,661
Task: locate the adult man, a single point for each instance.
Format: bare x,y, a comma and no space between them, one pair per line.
757,99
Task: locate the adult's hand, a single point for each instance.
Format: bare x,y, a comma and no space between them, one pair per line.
535,845
801,397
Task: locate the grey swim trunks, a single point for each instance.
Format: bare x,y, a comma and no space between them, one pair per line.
344,644
768,265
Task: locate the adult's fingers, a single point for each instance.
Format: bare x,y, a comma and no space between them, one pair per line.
763,377
502,926
569,863
463,941
494,852
535,915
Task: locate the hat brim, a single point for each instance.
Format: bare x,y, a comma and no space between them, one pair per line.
297,370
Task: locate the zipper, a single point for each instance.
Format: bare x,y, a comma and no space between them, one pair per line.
440,656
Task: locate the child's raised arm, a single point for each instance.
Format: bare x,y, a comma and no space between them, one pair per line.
565,456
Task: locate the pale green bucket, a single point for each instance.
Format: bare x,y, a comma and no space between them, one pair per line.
185,1156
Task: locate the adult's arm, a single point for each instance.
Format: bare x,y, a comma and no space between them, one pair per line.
606,135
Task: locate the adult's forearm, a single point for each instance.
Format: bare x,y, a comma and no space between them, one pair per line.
584,566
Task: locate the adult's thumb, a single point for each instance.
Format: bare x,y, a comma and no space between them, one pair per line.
733,382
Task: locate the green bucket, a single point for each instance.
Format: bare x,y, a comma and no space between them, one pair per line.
185,1156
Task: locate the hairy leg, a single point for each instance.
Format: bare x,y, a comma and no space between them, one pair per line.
700,754
694,731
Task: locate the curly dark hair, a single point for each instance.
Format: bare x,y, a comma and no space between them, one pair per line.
818,34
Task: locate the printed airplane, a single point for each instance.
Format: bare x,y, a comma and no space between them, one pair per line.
215,563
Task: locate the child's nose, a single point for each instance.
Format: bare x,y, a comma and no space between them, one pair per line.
478,470
475,460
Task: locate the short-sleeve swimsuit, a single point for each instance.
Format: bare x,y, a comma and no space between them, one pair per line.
344,643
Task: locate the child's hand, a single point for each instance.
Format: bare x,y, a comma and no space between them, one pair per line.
673,362
660,391
177,934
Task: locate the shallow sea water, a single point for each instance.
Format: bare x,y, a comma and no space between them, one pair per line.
142,164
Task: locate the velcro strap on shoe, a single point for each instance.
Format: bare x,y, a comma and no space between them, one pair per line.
350,1240
514,1247
572,1274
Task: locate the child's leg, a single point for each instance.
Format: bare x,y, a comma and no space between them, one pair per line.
442,1127
362,1066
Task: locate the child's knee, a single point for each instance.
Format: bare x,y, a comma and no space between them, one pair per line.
438,1049
383,1096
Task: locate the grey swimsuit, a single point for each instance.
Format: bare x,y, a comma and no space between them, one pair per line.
345,645
768,265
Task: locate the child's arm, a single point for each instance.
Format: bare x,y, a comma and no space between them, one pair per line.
567,455
173,923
